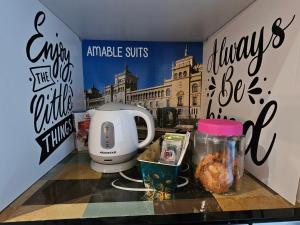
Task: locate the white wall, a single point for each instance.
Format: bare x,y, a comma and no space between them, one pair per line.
272,101
20,163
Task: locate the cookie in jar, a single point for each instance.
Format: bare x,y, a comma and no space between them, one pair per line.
218,155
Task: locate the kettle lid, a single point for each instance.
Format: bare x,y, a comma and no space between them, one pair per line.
116,107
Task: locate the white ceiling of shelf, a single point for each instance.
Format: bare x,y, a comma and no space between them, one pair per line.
146,20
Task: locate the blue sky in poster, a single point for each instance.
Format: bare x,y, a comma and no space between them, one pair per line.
150,70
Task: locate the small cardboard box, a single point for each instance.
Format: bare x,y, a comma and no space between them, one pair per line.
160,176
82,123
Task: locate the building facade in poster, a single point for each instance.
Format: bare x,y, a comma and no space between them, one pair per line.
181,91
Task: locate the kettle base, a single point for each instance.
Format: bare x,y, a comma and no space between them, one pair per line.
113,168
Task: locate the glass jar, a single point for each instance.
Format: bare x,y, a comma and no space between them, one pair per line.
218,155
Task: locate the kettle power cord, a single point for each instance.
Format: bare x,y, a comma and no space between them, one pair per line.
129,178
141,181
186,181
129,189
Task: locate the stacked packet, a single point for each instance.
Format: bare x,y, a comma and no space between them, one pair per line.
171,148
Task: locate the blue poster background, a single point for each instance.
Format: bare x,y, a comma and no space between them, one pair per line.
151,71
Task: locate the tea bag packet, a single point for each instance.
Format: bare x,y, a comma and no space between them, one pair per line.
171,148
170,152
152,154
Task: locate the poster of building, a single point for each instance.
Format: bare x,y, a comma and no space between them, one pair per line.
163,77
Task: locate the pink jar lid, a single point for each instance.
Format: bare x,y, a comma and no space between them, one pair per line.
220,127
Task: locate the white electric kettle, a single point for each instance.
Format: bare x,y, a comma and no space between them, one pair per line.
113,138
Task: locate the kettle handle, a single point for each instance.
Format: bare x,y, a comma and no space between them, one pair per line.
146,115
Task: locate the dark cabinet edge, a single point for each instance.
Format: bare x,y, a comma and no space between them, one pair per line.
232,217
